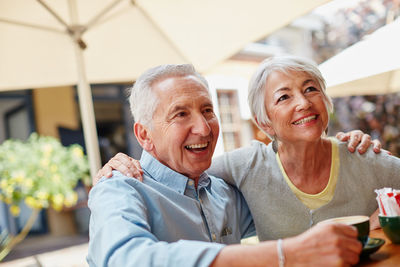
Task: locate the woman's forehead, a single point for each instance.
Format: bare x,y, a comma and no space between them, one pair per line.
280,78
291,73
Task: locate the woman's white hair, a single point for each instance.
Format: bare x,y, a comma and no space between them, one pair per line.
283,64
143,101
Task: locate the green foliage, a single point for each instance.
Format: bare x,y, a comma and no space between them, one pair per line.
41,172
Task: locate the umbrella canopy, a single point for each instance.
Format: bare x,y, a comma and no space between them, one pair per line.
371,66
68,42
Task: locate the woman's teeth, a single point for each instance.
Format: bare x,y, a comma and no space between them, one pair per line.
194,146
305,120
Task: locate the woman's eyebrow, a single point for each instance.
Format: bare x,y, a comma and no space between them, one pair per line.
281,89
308,81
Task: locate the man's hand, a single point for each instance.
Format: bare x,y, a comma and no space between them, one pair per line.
328,244
358,138
374,221
122,163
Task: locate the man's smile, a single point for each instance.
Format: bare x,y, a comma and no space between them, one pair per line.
197,147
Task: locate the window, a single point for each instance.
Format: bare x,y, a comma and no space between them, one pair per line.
230,118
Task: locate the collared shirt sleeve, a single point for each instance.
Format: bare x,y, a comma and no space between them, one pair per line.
246,224
120,233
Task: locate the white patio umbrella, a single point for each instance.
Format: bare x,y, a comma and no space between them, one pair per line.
68,42
371,66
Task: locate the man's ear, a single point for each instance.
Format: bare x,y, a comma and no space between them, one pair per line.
143,135
266,127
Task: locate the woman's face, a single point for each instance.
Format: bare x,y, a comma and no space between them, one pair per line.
294,103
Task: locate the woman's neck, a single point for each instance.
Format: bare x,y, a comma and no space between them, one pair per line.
307,164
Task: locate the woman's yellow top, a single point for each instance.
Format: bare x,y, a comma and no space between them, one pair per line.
314,201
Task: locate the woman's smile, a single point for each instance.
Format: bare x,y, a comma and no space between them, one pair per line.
306,120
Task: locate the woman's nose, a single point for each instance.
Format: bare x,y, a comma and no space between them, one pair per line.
302,103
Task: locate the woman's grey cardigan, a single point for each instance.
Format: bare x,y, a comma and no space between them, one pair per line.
278,213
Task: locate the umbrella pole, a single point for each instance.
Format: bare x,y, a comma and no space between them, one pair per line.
84,92
87,114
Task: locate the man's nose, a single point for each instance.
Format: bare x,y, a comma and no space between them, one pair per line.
200,125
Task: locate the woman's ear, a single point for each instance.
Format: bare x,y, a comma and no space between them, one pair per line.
143,135
266,127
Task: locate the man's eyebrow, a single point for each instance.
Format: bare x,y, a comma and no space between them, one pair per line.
183,107
176,108
208,104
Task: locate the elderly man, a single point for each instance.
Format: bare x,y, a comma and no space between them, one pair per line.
180,216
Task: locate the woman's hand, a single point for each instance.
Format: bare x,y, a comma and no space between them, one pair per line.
124,164
358,138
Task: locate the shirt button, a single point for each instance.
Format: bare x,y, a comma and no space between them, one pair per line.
214,237
191,183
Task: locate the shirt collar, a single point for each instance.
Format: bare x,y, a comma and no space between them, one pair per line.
204,181
166,176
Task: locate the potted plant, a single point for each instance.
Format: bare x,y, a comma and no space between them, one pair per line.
41,172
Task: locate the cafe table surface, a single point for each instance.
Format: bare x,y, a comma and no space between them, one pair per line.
388,255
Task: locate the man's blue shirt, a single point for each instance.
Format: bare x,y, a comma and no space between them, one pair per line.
164,221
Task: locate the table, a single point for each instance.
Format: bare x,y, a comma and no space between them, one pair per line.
388,255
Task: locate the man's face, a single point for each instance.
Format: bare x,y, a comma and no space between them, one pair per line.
185,128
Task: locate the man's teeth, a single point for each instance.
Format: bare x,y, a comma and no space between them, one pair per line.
305,120
197,146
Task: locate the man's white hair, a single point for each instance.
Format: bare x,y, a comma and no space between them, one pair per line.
143,101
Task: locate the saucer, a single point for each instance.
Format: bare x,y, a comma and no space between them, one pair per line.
372,246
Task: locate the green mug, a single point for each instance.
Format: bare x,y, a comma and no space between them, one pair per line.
391,227
360,222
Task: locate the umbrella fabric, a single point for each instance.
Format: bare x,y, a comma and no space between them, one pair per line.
130,37
371,66
78,42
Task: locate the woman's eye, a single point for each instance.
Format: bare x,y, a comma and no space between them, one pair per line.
283,97
311,89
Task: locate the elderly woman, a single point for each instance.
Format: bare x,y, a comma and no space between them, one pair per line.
302,177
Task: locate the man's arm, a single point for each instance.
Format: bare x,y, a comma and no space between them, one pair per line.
120,232
357,139
323,245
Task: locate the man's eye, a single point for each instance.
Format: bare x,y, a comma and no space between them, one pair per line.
283,97
181,114
208,110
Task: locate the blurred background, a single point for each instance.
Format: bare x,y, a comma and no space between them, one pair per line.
223,43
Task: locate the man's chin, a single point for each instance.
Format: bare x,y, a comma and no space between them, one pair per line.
197,168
